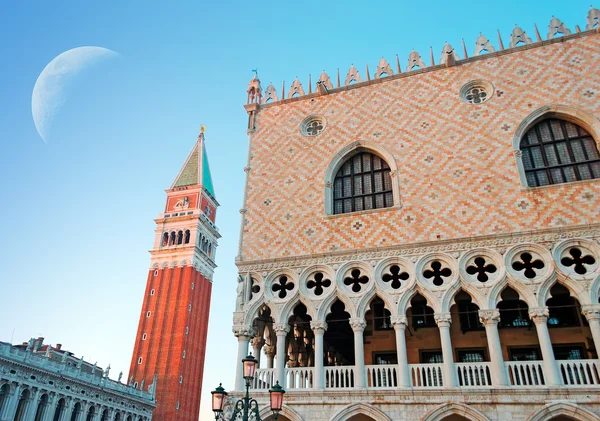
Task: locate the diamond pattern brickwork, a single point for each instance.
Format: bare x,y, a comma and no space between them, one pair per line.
457,173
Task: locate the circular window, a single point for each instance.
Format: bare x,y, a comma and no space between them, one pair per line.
476,92
312,126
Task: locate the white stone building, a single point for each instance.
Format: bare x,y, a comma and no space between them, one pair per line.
422,244
41,383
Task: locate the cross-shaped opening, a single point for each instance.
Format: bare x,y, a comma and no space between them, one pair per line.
395,276
283,285
480,268
355,279
579,260
318,283
528,264
437,273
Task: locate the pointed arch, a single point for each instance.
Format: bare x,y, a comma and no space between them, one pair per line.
252,312
432,300
525,293
455,408
563,112
360,408
325,308
349,150
286,410
576,289
365,302
566,409
475,294
288,308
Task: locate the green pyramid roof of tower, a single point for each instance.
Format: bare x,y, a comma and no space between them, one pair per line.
206,177
196,170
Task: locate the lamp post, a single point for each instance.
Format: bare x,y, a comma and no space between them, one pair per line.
246,405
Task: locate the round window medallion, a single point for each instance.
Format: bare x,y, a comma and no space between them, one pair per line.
312,126
476,92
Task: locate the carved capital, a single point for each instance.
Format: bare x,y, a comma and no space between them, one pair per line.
443,319
281,329
591,311
517,152
539,314
318,326
269,350
328,184
243,331
399,322
489,317
358,324
257,342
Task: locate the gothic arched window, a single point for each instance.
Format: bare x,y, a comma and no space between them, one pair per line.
363,182
558,151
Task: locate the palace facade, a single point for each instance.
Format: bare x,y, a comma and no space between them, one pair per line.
422,241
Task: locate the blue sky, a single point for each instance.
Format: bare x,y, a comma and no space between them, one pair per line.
78,211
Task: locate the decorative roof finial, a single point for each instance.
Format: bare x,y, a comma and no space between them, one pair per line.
557,27
202,128
500,43
593,18
431,56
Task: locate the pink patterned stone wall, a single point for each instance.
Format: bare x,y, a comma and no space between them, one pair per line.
457,171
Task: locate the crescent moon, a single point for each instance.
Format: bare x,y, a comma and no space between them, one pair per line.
48,96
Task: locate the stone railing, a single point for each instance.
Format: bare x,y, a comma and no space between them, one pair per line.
574,373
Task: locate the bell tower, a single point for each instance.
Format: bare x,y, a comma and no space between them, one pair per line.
171,336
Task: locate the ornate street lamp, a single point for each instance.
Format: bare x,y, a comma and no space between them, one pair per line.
246,405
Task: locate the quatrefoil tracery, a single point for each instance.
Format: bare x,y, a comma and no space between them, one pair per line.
480,268
528,264
283,285
355,280
437,273
578,260
395,277
318,283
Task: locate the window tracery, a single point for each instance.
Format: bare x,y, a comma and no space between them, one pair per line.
556,151
363,182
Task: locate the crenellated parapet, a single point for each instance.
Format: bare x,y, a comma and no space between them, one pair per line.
449,56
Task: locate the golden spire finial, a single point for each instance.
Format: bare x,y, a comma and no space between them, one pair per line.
202,128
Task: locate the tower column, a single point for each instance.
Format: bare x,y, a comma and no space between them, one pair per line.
243,333
592,314
358,325
443,321
540,319
399,323
319,327
490,319
281,331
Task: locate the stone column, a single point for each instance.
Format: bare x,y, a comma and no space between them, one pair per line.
592,314
257,344
443,321
67,409
8,413
540,319
399,323
319,327
358,325
281,331
243,333
270,354
490,319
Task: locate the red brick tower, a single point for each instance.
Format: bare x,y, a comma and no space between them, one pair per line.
171,336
